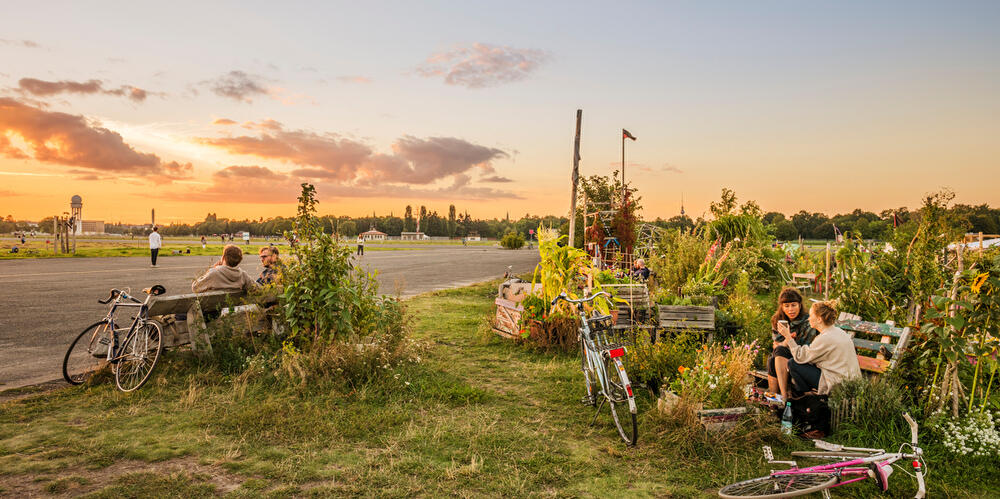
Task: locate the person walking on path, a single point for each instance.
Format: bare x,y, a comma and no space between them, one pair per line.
361,245
154,244
203,242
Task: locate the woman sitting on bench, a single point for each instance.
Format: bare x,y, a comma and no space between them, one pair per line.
791,311
830,359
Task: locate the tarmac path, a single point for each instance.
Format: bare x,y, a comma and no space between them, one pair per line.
45,303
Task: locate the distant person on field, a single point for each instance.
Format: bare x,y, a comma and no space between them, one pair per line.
361,245
225,275
155,241
269,259
203,242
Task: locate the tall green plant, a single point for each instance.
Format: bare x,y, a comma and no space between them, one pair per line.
324,297
563,269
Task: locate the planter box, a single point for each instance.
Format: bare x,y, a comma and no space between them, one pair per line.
686,317
636,306
507,318
721,419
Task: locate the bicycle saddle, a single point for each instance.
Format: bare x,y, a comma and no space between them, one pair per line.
156,290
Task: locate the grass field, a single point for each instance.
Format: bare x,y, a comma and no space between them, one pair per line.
37,249
477,416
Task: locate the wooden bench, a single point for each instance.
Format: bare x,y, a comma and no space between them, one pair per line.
676,317
886,341
195,306
803,281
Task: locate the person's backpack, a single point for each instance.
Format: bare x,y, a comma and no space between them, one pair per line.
811,413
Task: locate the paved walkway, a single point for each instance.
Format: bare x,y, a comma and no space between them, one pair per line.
47,302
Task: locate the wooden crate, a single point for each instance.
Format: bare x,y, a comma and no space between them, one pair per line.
507,318
635,306
686,317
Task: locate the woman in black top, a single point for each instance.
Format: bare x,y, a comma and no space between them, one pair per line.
790,309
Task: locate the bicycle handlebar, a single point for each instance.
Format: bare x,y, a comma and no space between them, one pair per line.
114,294
913,428
562,296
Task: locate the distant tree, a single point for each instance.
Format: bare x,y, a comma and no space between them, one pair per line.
726,204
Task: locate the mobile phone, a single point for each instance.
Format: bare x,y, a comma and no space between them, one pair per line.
783,322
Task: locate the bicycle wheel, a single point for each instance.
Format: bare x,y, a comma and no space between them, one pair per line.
86,355
138,357
780,485
620,401
588,376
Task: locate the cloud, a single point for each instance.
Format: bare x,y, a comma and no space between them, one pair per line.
20,43
72,140
335,158
482,65
238,85
43,88
223,121
354,79
666,168
496,179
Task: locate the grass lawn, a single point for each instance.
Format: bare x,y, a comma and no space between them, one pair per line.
476,416
37,249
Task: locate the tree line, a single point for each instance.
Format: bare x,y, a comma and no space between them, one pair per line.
867,224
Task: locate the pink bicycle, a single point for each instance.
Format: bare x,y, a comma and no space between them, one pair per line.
853,465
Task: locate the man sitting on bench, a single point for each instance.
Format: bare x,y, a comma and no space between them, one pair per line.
225,275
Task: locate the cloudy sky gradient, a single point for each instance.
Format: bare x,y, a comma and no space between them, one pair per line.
227,107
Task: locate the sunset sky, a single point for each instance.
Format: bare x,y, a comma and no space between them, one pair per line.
226,107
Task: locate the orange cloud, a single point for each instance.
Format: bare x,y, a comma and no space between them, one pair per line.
71,140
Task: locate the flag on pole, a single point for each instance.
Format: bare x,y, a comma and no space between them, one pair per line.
627,135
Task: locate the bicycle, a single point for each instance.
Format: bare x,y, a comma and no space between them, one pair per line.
853,464
133,358
602,366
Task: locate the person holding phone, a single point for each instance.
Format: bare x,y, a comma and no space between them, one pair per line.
828,360
791,315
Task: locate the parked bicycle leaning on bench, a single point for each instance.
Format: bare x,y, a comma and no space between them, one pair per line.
132,351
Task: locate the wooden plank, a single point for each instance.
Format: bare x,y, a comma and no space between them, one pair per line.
179,304
874,365
875,328
804,275
901,345
873,346
688,324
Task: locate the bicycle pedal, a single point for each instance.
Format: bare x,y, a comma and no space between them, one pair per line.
104,341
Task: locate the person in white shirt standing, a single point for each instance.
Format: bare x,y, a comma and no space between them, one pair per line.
361,245
154,244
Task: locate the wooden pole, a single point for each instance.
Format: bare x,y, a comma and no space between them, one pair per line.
826,286
74,234
55,233
623,169
575,180
980,244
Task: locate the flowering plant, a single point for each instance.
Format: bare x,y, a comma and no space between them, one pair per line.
718,376
974,435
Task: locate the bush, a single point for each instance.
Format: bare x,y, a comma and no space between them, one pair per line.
512,240
657,363
339,327
870,406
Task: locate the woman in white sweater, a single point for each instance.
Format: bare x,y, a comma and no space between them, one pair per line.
826,362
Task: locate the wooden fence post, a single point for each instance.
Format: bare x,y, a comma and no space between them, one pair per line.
826,286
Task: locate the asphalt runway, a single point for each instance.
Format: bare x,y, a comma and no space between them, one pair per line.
45,303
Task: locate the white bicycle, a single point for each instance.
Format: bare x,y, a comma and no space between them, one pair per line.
603,369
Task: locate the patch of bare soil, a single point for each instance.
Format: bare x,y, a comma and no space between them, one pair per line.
31,390
34,486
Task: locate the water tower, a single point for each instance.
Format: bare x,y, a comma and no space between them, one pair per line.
76,210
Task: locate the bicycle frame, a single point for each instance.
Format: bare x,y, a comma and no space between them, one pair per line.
593,346
846,467
114,352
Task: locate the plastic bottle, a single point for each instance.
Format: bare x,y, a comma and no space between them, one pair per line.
786,419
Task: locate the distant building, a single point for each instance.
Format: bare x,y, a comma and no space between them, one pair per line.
412,236
81,226
373,235
473,236
92,226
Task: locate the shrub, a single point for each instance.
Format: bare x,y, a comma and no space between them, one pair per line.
338,326
975,435
869,406
658,362
718,377
677,257
512,240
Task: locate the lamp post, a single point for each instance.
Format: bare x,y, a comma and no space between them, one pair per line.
625,135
